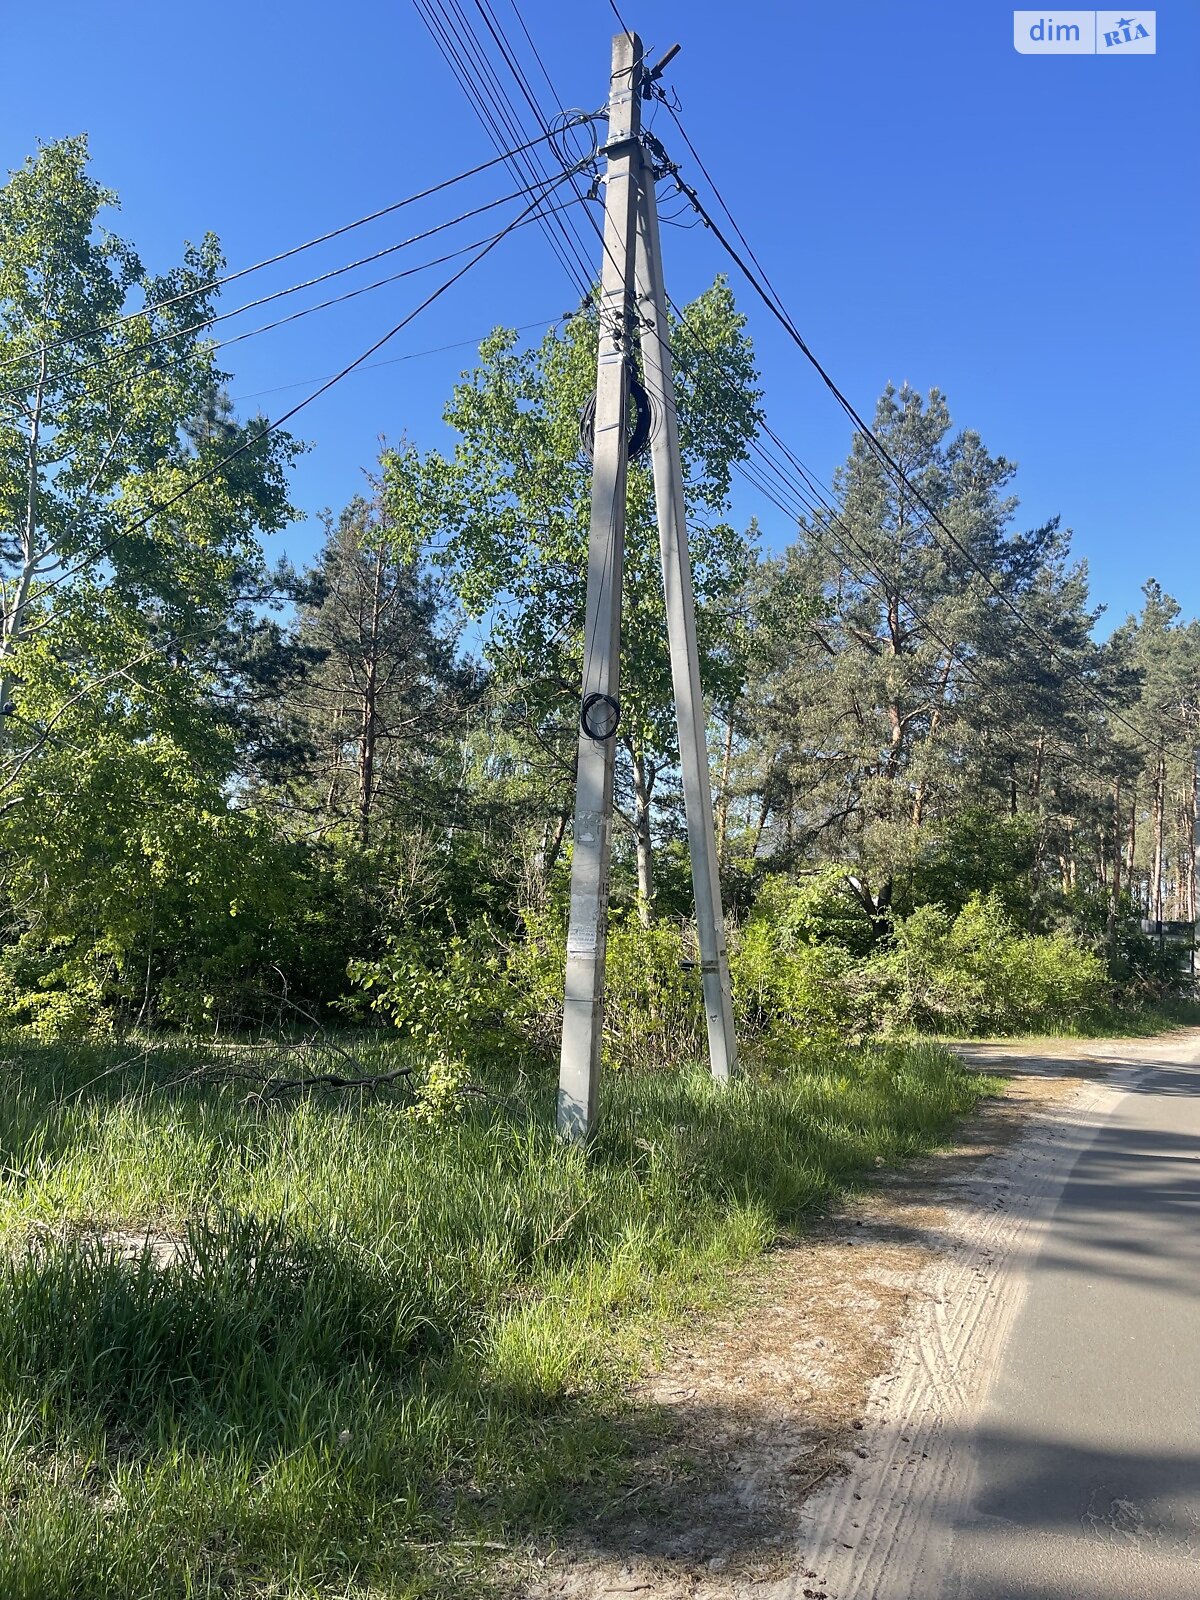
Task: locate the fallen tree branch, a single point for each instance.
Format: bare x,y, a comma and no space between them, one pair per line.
333,1080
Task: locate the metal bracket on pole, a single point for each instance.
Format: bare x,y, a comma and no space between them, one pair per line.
681,630
587,931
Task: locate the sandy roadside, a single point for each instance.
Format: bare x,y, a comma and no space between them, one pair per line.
780,1446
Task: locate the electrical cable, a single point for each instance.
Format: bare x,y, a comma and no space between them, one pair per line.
813,506
499,101
781,314
479,83
515,117
507,53
817,501
112,356
391,361
767,295
285,255
273,426
472,76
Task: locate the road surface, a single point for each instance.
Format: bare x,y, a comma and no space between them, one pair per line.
1041,1438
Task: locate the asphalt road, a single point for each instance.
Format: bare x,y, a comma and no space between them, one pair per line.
1085,1459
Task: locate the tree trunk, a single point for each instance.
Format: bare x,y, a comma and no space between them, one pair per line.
369,728
922,795
643,787
1114,899
553,835
1190,814
1067,861
764,811
1035,777
723,803
1156,867
31,555
877,906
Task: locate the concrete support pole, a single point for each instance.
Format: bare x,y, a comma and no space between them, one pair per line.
587,933
659,381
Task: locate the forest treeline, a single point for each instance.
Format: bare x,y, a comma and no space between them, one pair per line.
233,792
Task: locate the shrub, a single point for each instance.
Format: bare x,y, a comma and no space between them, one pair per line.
797,988
449,995
654,1014
787,999
820,908
975,972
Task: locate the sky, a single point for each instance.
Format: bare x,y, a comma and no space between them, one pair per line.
935,208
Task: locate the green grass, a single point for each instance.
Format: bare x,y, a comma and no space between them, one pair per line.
379,1344
1122,1022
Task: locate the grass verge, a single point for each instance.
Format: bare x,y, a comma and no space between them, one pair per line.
326,1348
1123,1022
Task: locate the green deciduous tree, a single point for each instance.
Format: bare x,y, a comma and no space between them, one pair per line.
510,527
131,576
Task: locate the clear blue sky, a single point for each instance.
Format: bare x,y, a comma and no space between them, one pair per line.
1021,231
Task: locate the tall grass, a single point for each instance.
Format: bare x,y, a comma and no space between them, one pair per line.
354,1346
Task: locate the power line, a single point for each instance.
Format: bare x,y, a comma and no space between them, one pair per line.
769,297
771,480
820,504
625,28
509,57
477,78
493,26
115,356
271,427
809,505
321,305
391,361
285,255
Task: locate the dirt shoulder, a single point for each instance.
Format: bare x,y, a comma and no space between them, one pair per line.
779,1401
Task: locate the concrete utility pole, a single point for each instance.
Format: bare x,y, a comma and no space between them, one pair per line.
587,929
632,256
659,379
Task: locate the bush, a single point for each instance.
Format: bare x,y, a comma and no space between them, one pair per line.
975,973
653,1007
800,981
788,995
820,908
450,996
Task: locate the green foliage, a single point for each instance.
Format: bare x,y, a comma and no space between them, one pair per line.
975,973
439,1095
654,1015
807,977
509,510
818,908
788,999
125,860
506,516
978,853
165,903
449,994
